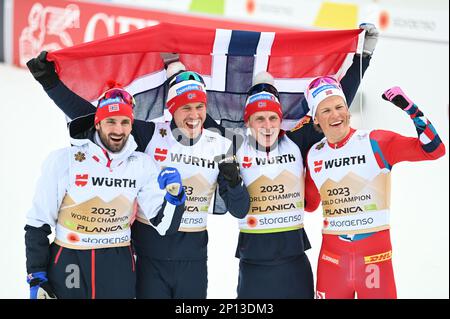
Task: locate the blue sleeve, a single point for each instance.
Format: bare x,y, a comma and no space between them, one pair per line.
352,79
70,103
177,215
37,248
142,132
237,199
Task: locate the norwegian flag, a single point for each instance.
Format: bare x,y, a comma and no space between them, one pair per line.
227,59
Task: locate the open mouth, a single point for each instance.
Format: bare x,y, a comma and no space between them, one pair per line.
336,124
267,136
116,139
193,124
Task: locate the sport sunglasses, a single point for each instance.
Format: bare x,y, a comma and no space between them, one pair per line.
186,76
121,93
263,87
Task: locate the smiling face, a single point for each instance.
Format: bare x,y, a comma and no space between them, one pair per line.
333,116
265,127
114,132
190,118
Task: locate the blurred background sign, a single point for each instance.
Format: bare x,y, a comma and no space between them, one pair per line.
29,26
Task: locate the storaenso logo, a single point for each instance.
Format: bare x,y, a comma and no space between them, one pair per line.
280,220
351,223
106,241
346,161
113,182
282,159
193,160
192,221
272,208
346,210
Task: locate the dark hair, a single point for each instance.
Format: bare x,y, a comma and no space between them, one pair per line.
317,128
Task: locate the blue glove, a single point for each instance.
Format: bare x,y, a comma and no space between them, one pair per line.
169,179
39,286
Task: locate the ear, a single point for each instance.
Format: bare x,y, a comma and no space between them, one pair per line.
316,121
97,126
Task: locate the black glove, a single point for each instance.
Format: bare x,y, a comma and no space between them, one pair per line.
229,169
43,71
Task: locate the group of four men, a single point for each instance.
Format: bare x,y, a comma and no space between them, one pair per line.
88,192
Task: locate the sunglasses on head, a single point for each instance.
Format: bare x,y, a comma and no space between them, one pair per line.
185,76
263,87
120,93
323,80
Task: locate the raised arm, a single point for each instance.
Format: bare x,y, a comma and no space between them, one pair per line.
70,103
352,79
391,148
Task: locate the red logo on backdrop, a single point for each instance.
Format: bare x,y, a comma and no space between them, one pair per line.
81,180
384,20
56,24
247,163
318,166
251,6
47,29
160,154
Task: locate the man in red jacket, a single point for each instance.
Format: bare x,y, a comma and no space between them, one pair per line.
349,171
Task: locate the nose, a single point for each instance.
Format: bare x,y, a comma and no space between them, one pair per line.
267,124
334,113
118,129
193,114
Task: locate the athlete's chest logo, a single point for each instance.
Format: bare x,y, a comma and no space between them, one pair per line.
160,154
247,162
81,180
318,166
